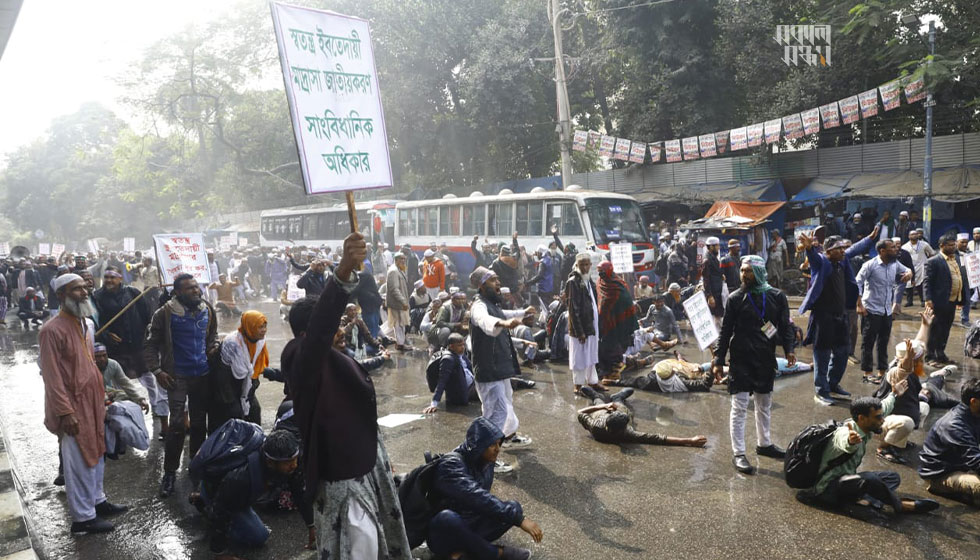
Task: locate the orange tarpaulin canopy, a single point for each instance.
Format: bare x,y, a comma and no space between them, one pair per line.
756,212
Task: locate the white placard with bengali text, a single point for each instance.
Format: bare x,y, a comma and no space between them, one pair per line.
44,248
621,256
57,249
702,322
242,242
182,252
334,100
4,248
294,292
93,246
129,244
972,264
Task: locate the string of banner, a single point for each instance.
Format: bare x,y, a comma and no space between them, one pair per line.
845,111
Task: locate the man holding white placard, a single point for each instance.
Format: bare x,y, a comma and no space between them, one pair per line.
756,320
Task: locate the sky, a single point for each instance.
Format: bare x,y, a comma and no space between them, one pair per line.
63,53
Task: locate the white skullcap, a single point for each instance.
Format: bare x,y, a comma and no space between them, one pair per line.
962,236
903,213
505,290
976,230
712,241
918,349
64,280
896,239
429,253
542,249
674,286
453,290
418,284
443,296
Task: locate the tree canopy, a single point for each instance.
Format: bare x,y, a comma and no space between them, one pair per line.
469,98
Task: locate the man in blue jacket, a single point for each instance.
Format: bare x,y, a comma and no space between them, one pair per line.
470,518
950,458
455,377
833,290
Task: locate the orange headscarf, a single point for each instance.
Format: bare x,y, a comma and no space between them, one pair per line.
252,321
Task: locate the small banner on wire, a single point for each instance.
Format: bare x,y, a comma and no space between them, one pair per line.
849,107
580,140
691,148
869,103
606,146
721,141
890,95
739,139
829,115
673,150
707,144
793,126
638,152
654,151
773,128
811,121
755,132
915,89
622,151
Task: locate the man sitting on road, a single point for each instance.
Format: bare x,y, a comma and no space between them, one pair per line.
455,377
950,458
841,484
470,518
611,421
31,309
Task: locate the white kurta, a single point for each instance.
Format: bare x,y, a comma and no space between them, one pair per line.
582,357
920,254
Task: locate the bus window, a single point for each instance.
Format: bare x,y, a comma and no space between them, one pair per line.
406,222
431,221
565,215
295,227
310,223
616,220
282,225
474,219
444,221
529,218
503,222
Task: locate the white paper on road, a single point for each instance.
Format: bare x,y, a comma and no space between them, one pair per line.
972,264
393,420
702,322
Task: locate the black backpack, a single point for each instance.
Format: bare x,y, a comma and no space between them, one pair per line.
971,343
432,369
226,449
418,507
802,464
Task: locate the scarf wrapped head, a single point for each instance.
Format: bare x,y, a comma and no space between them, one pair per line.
759,270
617,312
252,321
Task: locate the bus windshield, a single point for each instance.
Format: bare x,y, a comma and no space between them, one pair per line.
616,220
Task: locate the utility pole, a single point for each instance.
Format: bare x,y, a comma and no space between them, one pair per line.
927,171
564,123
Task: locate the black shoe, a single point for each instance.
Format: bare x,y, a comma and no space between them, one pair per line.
891,456
925,506
59,480
512,553
167,484
97,525
521,383
107,509
742,465
771,450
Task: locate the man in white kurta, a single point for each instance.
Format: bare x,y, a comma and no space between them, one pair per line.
583,324
920,251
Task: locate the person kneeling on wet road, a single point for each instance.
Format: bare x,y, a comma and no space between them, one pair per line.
227,502
455,377
756,320
841,484
611,421
469,517
950,458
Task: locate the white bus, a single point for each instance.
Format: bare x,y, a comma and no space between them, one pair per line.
329,225
583,217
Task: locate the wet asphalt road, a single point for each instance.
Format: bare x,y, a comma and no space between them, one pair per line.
592,500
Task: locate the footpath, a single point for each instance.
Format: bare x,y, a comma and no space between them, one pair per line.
15,542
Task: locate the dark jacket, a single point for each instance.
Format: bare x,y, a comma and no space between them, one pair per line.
753,366
545,278
443,320
462,480
366,293
952,444
312,282
236,492
509,276
580,319
479,257
937,283
333,397
25,305
820,269
130,327
158,348
452,380
731,270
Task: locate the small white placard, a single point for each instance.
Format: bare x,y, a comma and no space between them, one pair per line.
621,255
702,322
393,420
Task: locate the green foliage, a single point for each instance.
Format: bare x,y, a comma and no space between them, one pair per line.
469,97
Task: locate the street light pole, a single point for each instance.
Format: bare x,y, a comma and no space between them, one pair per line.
927,171
564,122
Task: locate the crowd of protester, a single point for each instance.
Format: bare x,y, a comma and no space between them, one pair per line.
113,334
